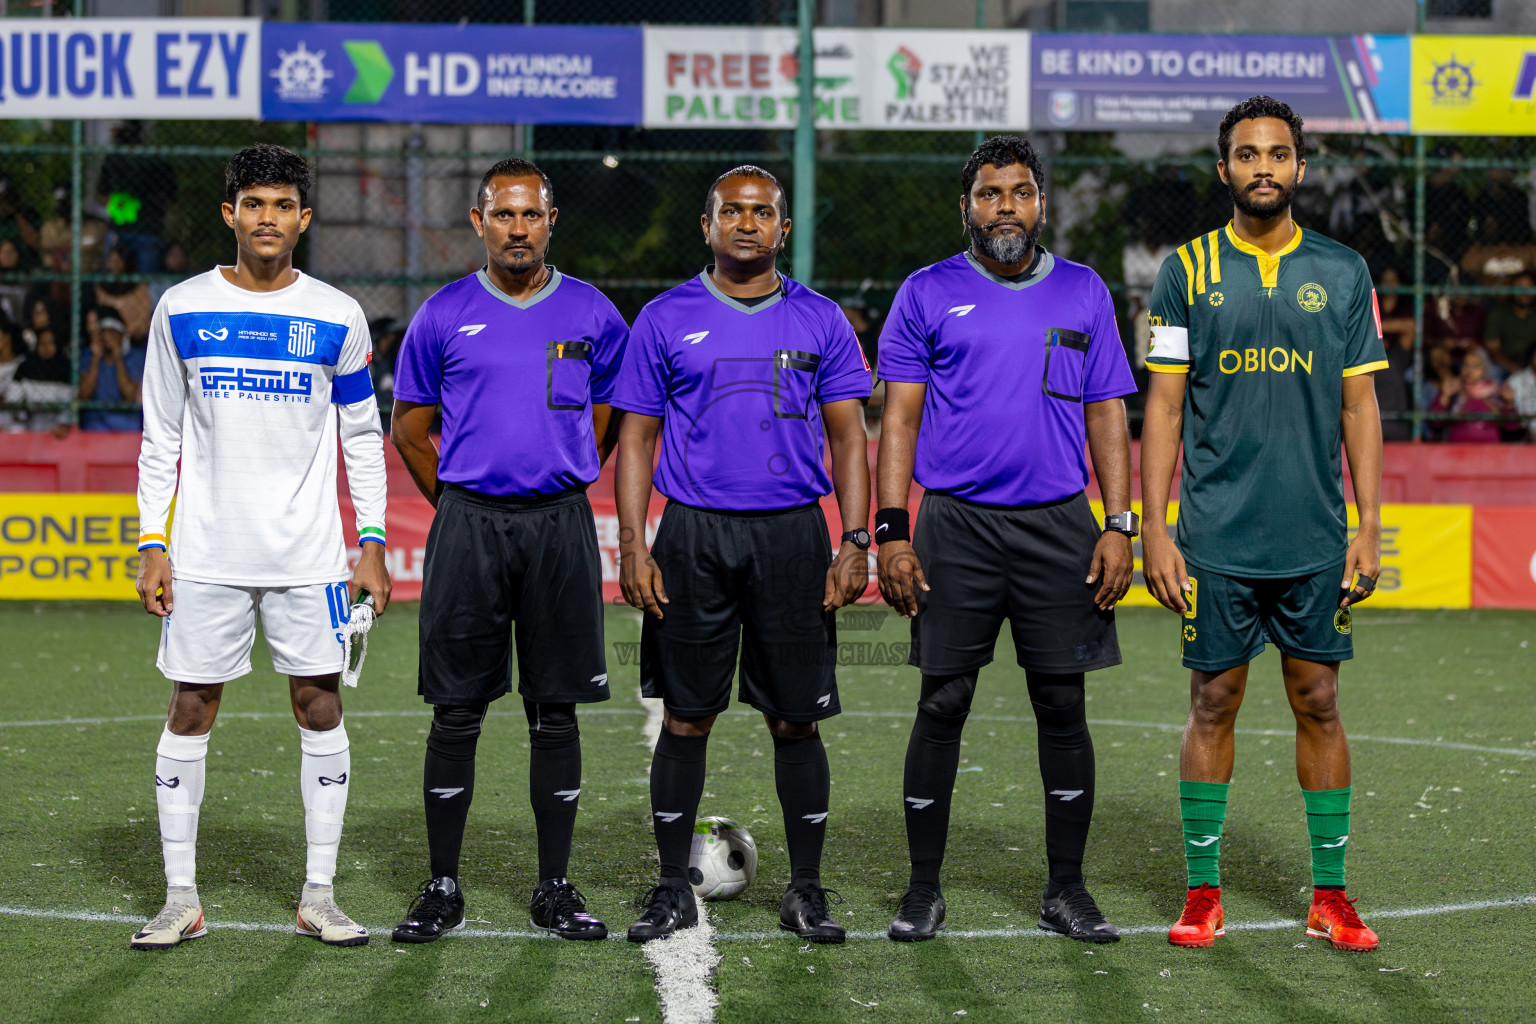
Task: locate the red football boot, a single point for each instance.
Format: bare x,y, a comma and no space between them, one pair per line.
1333,917
1202,922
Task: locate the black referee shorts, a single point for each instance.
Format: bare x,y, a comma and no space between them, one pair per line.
747,581
494,561
986,563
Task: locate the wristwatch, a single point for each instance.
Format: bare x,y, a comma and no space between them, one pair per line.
859,538
1128,523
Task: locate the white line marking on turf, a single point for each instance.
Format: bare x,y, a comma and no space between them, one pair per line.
89,917
655,716
685,960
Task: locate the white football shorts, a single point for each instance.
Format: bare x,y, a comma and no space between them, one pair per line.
208,637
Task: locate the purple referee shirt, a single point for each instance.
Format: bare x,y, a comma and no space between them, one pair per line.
740,389
1008,364
516,381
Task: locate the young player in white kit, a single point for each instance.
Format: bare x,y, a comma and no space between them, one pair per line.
244,367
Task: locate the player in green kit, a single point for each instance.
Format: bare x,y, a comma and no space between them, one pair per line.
1264,339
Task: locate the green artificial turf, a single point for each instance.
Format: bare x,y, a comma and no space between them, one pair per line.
1434,825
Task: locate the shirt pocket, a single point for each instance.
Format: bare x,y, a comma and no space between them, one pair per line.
1066,352
794,379
569,374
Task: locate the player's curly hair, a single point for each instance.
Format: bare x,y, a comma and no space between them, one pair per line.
1256,107
267,164
513,167
746,171
1002,151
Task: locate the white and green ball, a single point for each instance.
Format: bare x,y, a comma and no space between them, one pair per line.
723,860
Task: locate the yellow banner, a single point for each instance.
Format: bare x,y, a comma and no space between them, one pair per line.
59,546
1426,556
1473,85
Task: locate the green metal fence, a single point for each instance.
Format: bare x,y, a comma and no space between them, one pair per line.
391,223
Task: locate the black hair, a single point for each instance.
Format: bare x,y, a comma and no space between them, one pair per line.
1256,107
1002,151
269,165
747,171
514,167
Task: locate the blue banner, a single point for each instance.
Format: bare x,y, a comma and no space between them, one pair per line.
451,74
1141,83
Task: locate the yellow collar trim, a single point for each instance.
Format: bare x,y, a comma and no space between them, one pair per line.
1255,251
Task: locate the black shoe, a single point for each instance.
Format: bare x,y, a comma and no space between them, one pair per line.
438,908
558,906
921,916
804,912
667,908
1073,913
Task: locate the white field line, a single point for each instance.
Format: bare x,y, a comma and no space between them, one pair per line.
466,934
653,722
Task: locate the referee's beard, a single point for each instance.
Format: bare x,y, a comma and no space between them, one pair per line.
1005,249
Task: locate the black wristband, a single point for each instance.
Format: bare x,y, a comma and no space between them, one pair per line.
892,524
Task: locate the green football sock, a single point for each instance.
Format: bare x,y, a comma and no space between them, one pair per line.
1328,825
1204,808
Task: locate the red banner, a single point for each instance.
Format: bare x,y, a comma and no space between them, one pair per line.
1503,556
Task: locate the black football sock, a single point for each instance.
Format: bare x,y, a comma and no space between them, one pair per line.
448,783
928,783
677,783
1066,772
554,782
804,782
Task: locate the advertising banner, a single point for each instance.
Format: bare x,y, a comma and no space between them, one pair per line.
1097,82
451,74
58,546
1503,557
151,68
1474,85
864,78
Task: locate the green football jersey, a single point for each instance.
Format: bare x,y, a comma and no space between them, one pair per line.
1267,342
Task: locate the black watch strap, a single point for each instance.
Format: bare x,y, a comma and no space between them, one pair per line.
858,538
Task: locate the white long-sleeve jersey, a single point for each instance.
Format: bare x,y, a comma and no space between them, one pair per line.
239,386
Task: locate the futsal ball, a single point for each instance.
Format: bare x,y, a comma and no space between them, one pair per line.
723,859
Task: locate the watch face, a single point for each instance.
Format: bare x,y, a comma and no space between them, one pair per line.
859,537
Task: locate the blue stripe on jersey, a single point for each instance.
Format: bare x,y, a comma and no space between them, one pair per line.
257,336
347,388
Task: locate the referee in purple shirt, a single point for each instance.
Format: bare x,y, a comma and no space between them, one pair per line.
736,371
998,362
521,359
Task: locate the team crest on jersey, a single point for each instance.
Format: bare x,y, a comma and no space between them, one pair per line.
1341,621
1215,298
1311,297
301,338
1189,633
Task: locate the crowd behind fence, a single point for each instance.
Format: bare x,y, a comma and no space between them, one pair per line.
98,219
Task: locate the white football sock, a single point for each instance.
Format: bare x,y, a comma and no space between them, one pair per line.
180,762
324,776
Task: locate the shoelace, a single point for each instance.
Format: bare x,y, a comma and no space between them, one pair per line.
326,912
567,900
429,902
816,896
1199,905
167,916
661,901
1342,909
1082,904
916,901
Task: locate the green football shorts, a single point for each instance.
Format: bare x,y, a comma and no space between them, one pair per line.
1231,618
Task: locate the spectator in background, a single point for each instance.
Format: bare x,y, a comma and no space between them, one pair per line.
1394,385
1471,391
1510,333
387,333
173,262
1502,212
11,356
18,222
1448,214
129,298
13,294
57,236
136,189
1454,321
1520,391
43,375
111,371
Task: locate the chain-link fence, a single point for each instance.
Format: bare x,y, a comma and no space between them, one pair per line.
97,219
